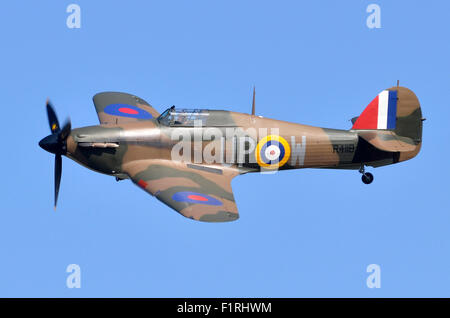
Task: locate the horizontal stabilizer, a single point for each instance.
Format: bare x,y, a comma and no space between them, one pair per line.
387,140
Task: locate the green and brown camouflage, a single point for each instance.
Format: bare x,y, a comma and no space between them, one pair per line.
187,158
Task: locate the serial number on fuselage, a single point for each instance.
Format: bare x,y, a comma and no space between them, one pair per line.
344,148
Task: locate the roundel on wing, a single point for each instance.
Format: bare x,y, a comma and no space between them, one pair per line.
272,152
194,197
125,110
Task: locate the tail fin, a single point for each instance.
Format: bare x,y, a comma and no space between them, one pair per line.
396,109
380,113
392,122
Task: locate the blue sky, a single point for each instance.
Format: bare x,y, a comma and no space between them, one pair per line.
304,233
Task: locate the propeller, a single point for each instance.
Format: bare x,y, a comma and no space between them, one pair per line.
56,143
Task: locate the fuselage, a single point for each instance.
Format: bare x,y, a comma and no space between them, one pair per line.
236,141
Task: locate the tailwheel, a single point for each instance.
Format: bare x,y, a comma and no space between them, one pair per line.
367,178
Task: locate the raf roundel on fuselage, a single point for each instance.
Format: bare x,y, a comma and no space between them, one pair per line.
272,152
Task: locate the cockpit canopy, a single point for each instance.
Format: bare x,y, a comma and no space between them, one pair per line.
196,117
184,117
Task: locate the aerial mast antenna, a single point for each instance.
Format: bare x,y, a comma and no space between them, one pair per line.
253,103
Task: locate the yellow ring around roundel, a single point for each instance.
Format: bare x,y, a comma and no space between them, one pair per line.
281,140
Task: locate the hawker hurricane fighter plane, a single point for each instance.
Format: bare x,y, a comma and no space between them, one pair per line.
187,158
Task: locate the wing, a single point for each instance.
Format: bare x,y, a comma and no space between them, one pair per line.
115,108
196,191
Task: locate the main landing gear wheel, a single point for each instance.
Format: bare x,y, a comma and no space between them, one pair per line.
367,178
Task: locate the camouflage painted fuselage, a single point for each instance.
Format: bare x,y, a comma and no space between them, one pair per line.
144,140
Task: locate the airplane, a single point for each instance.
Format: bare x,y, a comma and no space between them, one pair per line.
186,158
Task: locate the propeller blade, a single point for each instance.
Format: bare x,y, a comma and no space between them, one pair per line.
65,131
58,170
56,143
52,119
